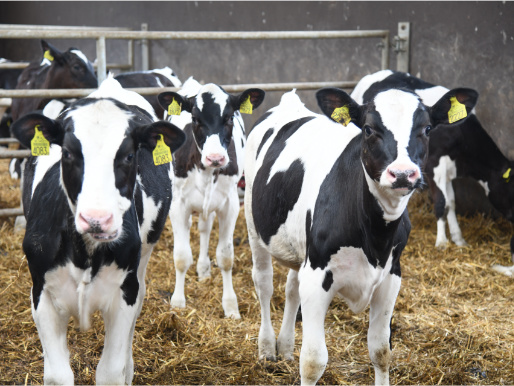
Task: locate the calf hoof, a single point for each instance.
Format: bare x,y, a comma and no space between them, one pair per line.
231,309
508,271
176,302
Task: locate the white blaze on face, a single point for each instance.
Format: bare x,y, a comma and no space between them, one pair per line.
81,55
213,152
100,127
397,109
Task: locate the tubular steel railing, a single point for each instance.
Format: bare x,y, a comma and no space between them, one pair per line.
42,32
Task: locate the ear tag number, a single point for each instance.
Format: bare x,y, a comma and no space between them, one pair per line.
246,107
342,115
174,108
48,56
161,153
506,175
39,145
457,111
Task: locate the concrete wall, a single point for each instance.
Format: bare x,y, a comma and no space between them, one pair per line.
454,44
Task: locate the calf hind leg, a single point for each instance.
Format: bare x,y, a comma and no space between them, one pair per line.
285,342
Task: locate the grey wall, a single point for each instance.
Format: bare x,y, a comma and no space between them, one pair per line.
454,44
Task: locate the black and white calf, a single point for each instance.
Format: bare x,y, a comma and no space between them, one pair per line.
160,77
330,202
207,169
95,207
465,150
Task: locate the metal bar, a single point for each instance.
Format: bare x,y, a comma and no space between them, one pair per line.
145,52
82,92
137,35
101,57
403,51
4,141
60,27
11,212
385,52
14,153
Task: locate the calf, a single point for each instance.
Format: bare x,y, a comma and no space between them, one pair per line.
330,203
164,77
57,70
95,208
465,150
207,169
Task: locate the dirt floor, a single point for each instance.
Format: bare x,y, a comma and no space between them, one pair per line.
452,324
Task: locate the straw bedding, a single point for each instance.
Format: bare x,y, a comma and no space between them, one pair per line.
452,323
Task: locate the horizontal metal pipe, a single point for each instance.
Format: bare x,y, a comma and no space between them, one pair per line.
4,141
11,212
14,153
200,35
82,92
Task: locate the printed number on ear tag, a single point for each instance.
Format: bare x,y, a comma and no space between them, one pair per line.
174,108
48,56
246,107
457,111
161,153
342,115
39,145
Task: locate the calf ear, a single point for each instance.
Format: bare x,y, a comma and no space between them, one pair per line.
50,52
253,95
147,136
339,106
24,129
454,107
166,99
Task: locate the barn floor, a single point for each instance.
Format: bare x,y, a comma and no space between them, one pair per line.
452,323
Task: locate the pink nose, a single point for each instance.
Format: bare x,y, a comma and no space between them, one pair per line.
215,160
95,221
406,173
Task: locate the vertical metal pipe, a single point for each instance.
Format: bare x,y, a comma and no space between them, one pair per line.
145,57
130,54
101,58
403,51
385,52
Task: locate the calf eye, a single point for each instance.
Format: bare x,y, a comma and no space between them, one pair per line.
427,130
368,130
129,157
66,154
194,120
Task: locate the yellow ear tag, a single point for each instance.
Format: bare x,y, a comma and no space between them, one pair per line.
39,145
174,108
506,175
457,111
246,107
342,115
161,153
48,56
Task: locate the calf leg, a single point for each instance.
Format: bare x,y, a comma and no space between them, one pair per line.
182,254
116,366
379,331
315,302
203,267
52,323
225,253
262,275
285,342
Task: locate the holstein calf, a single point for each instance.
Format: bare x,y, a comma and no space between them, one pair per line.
95,208
163,77
465,150
329,201
207,169
56,70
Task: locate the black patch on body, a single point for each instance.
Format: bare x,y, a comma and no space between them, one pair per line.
328,280
346,214
395,80
274,200
265,138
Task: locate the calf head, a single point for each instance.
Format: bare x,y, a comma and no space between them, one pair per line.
100,141
212,114
70,69
395,129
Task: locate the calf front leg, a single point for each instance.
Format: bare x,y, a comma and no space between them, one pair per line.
203,267
379,331
225,253
182,254
52,323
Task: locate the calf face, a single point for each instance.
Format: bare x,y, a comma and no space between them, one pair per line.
396,126
212,114
100,139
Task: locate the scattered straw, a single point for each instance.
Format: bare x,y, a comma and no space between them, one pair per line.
452,322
